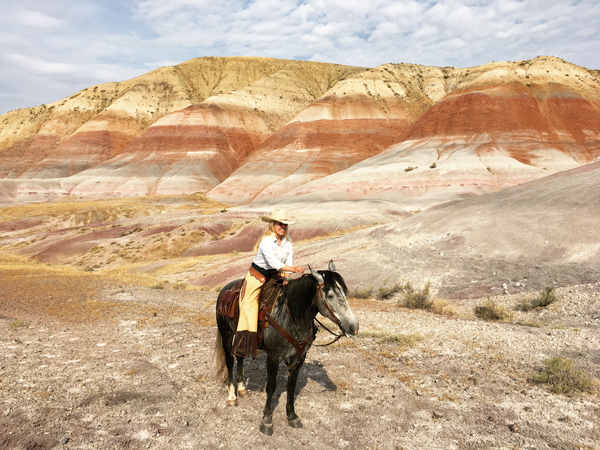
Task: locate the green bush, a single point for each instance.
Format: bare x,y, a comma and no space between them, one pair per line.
545,298
491,311
415,299
561,378
409,168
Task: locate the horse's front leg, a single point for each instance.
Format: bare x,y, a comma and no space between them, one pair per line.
241,386
293,419
266,426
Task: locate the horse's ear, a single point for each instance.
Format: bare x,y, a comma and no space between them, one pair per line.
317,275
331,266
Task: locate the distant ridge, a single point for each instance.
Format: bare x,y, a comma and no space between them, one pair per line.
307,135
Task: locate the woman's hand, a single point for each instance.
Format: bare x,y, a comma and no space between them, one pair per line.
296,269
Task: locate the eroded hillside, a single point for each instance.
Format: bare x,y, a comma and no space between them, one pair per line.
308,136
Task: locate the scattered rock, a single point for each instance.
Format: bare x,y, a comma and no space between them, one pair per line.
64,440
513,427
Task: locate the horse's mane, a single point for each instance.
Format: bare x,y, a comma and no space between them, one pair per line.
302,291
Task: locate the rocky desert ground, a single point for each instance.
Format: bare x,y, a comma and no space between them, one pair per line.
92,362
125,207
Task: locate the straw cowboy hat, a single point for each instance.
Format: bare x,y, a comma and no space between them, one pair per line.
279,215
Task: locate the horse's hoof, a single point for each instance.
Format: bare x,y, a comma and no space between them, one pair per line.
232,402
266,429
295,423
242,393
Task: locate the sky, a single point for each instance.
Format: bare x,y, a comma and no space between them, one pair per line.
50,49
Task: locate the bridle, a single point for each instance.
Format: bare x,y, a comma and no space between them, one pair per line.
321,296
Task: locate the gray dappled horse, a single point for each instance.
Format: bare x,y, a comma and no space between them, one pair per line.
322,291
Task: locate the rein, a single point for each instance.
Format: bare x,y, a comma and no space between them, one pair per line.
302,344
337,336
299,345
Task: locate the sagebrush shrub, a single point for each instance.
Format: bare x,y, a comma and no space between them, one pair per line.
545,298
491,311
361,294
386,292
417,299
562,378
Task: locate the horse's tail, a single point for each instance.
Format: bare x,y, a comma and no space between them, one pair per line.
220,364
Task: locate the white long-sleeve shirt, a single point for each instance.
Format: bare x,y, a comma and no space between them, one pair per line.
272,256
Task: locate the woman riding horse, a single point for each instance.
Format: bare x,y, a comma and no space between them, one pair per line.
274,256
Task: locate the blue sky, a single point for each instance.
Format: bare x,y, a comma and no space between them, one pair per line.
50,49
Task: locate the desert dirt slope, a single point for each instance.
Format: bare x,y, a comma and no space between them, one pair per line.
544,232
91,362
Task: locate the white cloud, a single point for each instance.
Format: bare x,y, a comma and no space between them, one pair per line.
38,20
74,42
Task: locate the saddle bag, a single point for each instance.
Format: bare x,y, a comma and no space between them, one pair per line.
229,300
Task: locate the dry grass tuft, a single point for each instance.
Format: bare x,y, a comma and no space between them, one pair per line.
204,320
108,210
14,263
19,323
442,307
531,323
562,378
189,264
386,337
491,311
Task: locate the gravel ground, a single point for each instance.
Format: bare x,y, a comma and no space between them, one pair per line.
107,365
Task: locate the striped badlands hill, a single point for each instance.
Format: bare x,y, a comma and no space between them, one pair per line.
357,118
502,124
98,141
311,136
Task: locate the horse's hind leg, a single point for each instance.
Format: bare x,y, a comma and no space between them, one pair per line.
293,419
226,336
267,422
241,386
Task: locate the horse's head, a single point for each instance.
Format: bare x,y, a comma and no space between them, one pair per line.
331,299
